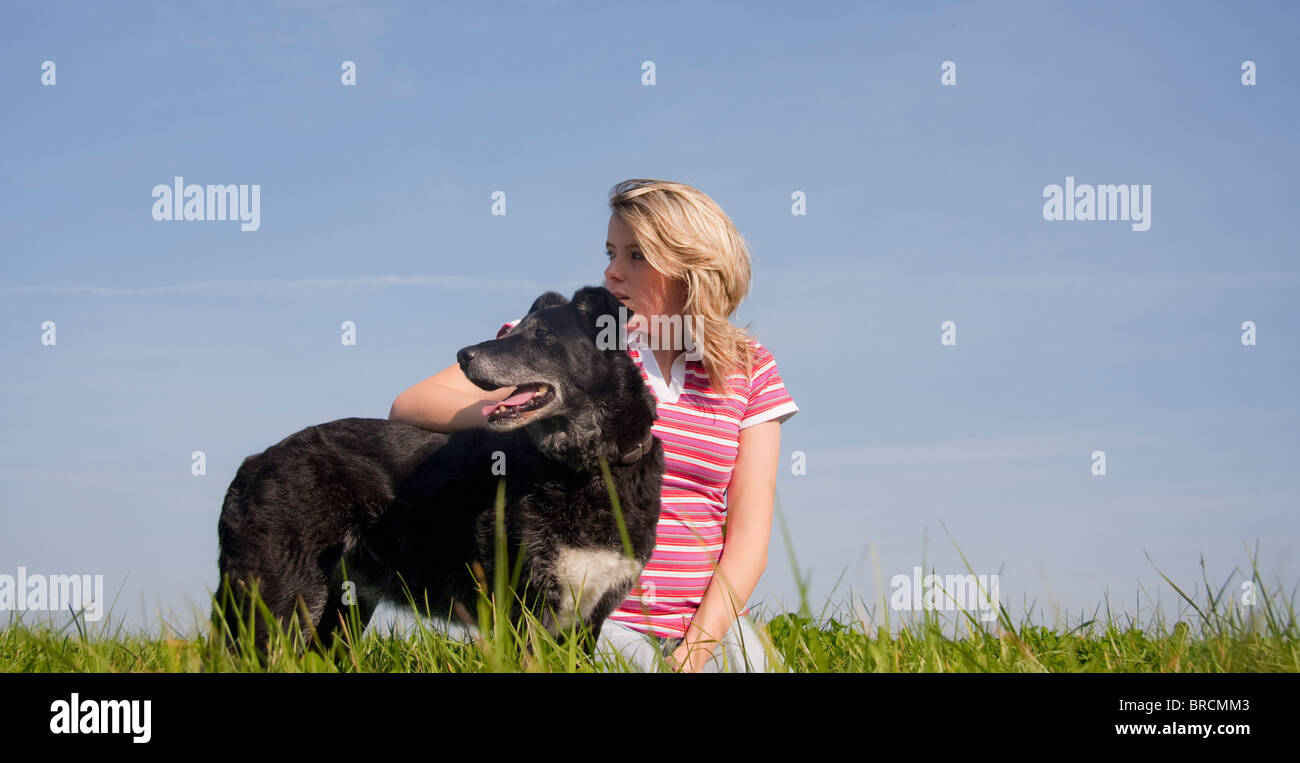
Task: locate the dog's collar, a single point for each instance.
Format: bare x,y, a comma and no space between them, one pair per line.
640,450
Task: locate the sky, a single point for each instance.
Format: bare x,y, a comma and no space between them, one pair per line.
922,204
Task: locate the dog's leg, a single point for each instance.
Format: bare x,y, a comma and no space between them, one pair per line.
530,649
296,590
239,611
596,621
228,612
338,613
594,635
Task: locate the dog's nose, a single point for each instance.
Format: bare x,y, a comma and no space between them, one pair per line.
465,357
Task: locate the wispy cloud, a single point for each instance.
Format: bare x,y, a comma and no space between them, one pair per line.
850,271
369,22
1017,447
95,476
1152,280
300,287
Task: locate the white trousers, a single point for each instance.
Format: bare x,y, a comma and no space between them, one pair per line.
742,650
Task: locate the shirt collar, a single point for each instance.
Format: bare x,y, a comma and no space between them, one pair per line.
666,390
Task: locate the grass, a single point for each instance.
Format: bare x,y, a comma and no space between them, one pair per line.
1210,635
1218,638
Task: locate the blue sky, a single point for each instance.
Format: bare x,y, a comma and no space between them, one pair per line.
924,205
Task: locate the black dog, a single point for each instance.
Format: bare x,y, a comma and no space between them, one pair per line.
394,504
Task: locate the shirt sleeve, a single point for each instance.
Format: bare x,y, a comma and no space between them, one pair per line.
505,328
768,398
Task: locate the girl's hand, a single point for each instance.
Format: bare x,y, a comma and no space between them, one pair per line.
689,658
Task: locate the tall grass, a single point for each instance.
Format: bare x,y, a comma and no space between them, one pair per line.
1211,634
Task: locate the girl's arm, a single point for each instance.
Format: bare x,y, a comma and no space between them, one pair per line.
445,402
744,551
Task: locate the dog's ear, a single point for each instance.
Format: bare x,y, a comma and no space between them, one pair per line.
549,299
594,301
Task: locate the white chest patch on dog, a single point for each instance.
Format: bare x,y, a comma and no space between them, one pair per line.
585,575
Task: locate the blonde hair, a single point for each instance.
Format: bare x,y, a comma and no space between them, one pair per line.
685,235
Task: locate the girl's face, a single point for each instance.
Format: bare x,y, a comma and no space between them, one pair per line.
629,275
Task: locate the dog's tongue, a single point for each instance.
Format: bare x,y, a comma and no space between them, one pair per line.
515,399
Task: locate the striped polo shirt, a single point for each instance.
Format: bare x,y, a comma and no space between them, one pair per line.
699,428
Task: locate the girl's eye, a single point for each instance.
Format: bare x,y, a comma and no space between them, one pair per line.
635,255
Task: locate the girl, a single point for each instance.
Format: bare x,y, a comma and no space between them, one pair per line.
676,259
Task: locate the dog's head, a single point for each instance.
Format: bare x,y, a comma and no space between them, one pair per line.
574,380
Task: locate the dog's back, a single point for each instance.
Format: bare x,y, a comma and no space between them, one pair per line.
293,512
